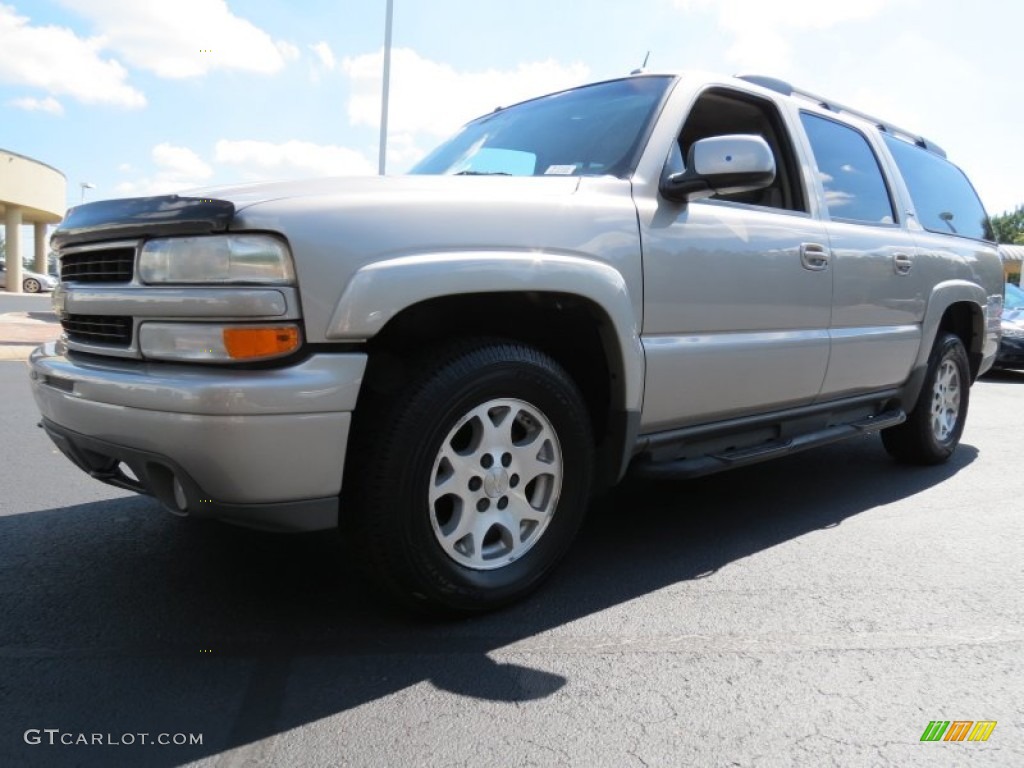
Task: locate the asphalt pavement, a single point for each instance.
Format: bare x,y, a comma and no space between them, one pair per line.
819,610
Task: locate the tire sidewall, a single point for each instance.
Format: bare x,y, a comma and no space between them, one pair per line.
520,378
949,348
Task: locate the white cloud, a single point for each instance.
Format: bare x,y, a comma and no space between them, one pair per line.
434,98
762,31
264,159
288,51
184,38
179,162
56,60
178,168
403,152
324,54
49,104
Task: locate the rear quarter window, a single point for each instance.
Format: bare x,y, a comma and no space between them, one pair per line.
943,198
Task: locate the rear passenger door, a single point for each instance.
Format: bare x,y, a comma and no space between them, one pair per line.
953,233
879,288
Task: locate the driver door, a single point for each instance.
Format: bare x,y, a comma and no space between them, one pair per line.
737,289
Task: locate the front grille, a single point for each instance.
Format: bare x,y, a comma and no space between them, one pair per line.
107,265
99,329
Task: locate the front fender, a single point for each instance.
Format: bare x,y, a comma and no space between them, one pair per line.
379,291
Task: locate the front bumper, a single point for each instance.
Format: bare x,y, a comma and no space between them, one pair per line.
263,448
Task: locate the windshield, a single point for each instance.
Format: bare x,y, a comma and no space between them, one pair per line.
1014,297
595,130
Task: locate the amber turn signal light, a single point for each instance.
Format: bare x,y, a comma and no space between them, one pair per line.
250,342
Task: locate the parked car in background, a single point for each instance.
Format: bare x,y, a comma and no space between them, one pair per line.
31,282
1011,347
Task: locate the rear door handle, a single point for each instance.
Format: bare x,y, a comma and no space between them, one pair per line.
814,256
902,263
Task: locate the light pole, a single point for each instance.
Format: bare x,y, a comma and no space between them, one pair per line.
85,185
385,91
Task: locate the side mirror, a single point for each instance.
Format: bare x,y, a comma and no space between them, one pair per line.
721,165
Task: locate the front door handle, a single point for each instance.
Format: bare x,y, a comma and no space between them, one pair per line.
814,256
902,263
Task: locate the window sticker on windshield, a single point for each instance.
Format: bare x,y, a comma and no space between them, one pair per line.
560,170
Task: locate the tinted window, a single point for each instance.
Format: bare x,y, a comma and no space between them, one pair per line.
855,189
944,199
591,131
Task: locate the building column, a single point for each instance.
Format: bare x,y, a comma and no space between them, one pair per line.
41,249
12,236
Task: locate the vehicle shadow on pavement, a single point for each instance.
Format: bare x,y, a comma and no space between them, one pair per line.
119,619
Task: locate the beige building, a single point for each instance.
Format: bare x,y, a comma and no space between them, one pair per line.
1013,259
30,193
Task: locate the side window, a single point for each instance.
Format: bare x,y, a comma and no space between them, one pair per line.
943,198
855,189
719,112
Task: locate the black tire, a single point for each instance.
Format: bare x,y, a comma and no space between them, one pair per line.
31,285
933,428
391,516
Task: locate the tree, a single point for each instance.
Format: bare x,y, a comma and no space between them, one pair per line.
1009,226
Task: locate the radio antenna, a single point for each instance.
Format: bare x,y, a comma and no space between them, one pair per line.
643,67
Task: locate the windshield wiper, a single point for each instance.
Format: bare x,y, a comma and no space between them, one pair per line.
481,173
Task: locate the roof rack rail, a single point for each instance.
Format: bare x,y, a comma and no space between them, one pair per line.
786,89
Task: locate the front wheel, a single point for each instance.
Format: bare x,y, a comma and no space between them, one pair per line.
31,285
932,430
472,480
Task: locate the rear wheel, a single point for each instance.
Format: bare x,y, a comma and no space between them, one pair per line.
932,430
470,482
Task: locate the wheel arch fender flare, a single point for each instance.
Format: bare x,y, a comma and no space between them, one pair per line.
943,296
379,291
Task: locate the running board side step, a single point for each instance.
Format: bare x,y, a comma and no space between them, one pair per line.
717,462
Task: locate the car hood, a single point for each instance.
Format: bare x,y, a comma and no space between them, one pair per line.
394,187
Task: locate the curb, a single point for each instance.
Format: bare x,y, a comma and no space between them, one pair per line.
9,353
22,332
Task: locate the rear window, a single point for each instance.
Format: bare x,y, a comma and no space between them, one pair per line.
943,198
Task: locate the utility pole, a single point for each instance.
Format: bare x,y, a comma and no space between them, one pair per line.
385,91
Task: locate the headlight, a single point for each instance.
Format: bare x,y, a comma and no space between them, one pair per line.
217,259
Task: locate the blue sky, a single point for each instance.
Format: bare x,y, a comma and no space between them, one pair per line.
154,96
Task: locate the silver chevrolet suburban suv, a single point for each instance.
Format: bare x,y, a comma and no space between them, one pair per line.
666,274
